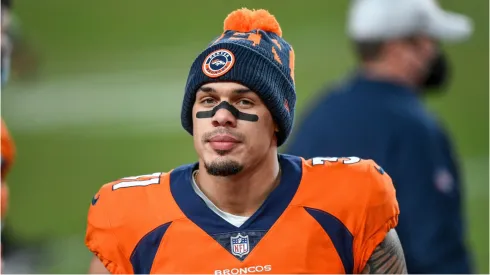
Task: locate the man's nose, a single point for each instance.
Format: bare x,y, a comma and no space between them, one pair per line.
223,117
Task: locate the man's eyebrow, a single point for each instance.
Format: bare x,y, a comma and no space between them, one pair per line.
242,91
206,90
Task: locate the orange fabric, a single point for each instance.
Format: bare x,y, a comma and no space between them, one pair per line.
356,194
8,149
360,196
245,20
291,63
120,218
5,197
276,57
100,232
255,38
8,157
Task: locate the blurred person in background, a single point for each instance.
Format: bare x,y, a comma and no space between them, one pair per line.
15,53
19,60
8,147
378,113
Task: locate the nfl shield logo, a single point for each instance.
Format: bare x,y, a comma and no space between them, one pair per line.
240,245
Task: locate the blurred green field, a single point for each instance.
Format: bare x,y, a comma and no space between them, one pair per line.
106,103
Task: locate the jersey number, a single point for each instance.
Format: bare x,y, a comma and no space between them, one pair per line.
143,180
321,160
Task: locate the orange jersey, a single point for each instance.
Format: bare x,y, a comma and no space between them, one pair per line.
327,215
8,156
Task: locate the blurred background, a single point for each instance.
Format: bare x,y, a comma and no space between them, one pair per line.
104,103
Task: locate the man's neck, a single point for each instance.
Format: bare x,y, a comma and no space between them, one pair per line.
387,72
244,193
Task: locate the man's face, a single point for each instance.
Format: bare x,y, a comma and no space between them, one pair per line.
225,143
420,53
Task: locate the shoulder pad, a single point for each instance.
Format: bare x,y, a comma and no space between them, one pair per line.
122,195
348,174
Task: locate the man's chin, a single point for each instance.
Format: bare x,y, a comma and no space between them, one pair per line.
219,157
223,167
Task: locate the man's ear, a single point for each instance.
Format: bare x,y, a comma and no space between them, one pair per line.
276,128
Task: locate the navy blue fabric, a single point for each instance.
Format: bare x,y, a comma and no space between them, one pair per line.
145,251
340,235
387,122
262,220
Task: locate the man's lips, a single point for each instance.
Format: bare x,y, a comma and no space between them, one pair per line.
223,138
223,142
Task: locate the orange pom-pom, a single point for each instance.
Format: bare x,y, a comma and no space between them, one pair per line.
239,20
265,21
245,20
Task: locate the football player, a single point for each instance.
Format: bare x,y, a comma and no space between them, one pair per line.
7,144
243,207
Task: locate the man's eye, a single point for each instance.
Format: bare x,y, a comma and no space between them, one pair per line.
208,101
245,102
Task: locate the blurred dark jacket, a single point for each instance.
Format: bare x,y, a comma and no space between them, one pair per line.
388,123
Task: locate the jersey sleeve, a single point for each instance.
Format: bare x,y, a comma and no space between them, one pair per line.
7,160
101,238
380,214
7,150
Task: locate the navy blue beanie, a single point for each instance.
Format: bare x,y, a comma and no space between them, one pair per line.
252,52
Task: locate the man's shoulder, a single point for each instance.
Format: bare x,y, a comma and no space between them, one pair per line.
352,177
128,193
124,210
358,192
136,202
129,183
347,165
140,189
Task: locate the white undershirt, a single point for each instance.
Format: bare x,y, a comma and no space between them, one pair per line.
235,220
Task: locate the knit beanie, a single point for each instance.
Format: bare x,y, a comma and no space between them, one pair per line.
252,52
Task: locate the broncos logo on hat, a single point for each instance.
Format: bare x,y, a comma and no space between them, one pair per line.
218,62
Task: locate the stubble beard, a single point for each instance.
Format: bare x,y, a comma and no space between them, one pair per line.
223,167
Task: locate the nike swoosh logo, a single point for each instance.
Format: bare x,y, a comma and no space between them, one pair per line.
94,199
380,169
